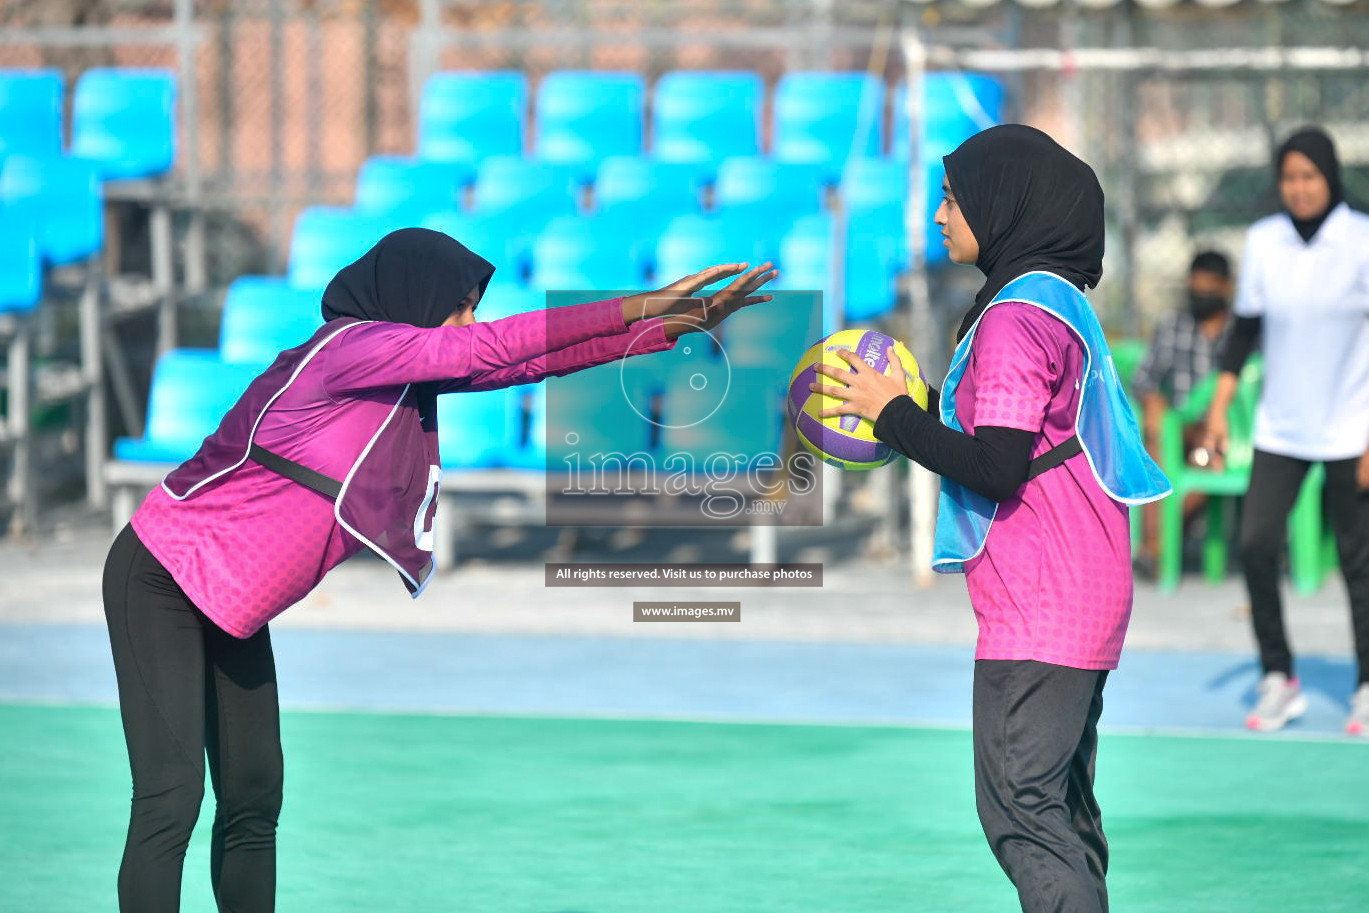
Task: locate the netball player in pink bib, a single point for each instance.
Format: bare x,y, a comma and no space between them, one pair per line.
331,450
1039,456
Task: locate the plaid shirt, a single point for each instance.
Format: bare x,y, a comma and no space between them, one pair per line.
1180,356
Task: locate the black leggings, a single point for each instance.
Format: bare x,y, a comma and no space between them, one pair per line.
187,689
1035,750
1274,485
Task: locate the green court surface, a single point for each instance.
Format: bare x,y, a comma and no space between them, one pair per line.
438,813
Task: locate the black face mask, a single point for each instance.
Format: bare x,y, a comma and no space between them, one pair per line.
1204,306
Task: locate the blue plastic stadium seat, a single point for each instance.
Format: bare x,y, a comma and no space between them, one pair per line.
642,194
875,193
477,429
61,197
770,192
31,113
642,183
506,298
504,183
21,271
774,335
191,391
817,116
701,118
874,183
955,107
522,196
584,252
690,243
529,450
328,238
739,426
805,263
493,237
125,121
592,411
583,116
409,189
805,254
464,117
263,316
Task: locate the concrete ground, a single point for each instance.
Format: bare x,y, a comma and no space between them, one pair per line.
491,637
499,588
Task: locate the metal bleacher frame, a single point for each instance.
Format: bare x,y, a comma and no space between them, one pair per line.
518,497
15,329
104,300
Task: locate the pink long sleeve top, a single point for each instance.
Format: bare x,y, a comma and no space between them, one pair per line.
250,544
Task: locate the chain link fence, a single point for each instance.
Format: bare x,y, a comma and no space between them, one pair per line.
290,96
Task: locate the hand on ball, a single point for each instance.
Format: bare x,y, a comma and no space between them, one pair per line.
866,391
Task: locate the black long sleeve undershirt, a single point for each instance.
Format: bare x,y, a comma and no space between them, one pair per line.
1244,337
992,462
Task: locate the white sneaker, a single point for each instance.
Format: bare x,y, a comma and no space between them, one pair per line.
1358,724
1281,700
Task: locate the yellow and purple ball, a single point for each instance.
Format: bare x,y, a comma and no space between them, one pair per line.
847,441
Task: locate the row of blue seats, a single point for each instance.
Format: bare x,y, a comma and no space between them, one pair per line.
636,198
123,120
532,190
51,202
264,315
619,251
672,401
515,427
698,117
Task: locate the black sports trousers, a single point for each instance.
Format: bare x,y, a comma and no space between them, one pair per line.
1035,749
1275,481
187,690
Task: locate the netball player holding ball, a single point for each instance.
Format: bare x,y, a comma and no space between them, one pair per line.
330,450
1039,456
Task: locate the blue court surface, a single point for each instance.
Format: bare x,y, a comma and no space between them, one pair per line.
675,679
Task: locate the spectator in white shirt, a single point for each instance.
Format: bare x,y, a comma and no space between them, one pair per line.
1304,297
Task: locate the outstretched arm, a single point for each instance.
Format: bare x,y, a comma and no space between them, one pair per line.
377,355
651,322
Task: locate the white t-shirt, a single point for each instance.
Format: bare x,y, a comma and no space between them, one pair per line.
1314,301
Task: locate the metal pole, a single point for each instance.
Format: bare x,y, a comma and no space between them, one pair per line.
121,383
92,371
21,468
314,91
276,227
187,45
163,277
424,52
369,51
922,484
1127,203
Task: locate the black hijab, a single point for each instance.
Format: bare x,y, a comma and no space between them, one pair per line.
1031,205
415,276
1317,146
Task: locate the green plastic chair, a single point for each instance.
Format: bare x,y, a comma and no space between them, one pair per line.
1306,536
1127,355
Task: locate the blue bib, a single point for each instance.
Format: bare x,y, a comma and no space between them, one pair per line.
1105,425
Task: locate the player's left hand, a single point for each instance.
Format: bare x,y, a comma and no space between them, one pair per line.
866,391
1362,472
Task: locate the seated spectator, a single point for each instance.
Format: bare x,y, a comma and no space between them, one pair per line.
1184,349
